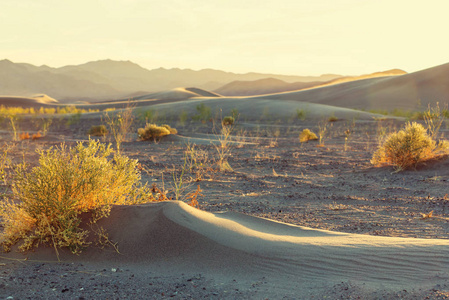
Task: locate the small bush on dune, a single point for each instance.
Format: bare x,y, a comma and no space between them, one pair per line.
152,131
307,135
408,147
98,130
229,120
67,182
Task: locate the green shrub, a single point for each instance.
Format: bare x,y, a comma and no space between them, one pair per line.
307,135
229,120
301,114
204,113
408,147
66,183
152,131
98,130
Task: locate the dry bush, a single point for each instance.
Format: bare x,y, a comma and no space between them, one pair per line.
408,147
152,131
224,147
24,136
229,120
307,135
120,124
5,160
36,136
98,130
172,130
198,162
50,197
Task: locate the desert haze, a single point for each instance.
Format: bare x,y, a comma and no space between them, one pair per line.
258,186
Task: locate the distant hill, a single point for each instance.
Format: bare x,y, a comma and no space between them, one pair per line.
27,80
108,79
406,92
262,86
272,85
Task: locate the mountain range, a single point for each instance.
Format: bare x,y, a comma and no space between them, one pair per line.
108,79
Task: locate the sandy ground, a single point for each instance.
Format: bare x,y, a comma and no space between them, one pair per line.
273,176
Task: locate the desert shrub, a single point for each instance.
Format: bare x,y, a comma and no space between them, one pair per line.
408,147
183,117
204,113
307,135
68,182
120,124
98,130
24,136
152,131
172,130
301,114
229,120
332,118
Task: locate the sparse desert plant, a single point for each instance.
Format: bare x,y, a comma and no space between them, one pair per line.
198,161
228,120
322,131
301,114
183,117
234,113
152,131
13,122
434,118
307,135
74,118
408,147
170,129
50,198
98,130
204,113
120,124
147,115
36,136
224,147
43,123
5,160
332,118
24,136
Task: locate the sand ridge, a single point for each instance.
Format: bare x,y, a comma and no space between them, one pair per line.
176,233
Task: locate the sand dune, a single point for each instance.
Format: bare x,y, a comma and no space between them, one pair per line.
262,86
181,236
250,108
272,85
177,94
25,102
408,92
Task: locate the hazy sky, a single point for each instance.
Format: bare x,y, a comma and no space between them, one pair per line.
301,37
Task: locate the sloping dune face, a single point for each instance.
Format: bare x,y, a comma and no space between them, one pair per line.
175,232
409,92
27,102
178,94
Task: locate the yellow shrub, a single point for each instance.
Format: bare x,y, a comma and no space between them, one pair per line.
307,135
66,183
152,131
407,148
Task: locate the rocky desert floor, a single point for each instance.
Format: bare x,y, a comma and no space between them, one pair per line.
272,175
